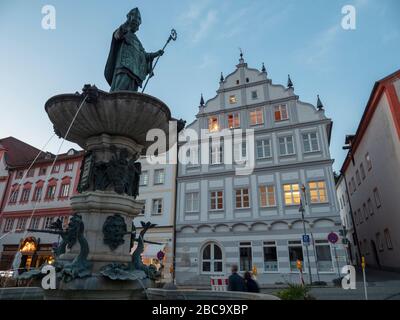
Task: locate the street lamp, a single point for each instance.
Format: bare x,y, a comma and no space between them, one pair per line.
301,209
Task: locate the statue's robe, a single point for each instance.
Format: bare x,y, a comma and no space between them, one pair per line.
127,55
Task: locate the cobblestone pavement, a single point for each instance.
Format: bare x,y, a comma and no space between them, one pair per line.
381,285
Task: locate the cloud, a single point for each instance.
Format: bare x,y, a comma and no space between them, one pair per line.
205,26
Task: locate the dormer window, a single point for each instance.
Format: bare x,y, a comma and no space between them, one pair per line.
232,99
213,125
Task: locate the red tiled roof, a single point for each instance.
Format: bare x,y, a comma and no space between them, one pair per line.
17,151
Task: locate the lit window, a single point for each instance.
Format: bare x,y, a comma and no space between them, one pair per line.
256,116
295,253
368,160
242,198
292,194
211,261
377,198
157,207
213,125
270,256
232,99
192,202
8,226
144,178
159,176
267,196
234,120
25,195
310,142
317,191
246,258
281,113
254,95
64,193
263,148
286,146
324,256
388,239
217,200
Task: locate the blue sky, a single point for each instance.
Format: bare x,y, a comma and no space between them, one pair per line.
302,38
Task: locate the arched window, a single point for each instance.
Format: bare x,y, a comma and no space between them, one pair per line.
211,259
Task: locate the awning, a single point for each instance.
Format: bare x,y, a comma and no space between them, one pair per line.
151,250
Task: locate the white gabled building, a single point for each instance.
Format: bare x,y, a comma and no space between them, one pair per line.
254,220
157,192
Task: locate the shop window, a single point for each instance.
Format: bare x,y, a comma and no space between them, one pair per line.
324,256
245,256
295,253
211,261
270,256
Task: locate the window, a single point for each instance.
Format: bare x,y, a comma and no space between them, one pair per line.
281,113
157,207
34,224
324,256
232,99
242,198
56,168
143,211
211,259
159,176
144,178
365,211
21,224
192,202
358,177
267,196
354,184
217,200
8,226
256,116
14,196
317,191
37,194
47,222
25,195
64,192
51,191
310,142
286,146
366,247
245,261
254,95
239,151
19,174
379,241
350,187
362,171
234,120
69,166
292,194
368,161
31,173
295,253
270,256
216,154
263,148
377,198
360,218
64,221
213,125
388,239
42,171
370,207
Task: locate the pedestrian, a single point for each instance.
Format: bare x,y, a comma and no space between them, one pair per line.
235,281
251,284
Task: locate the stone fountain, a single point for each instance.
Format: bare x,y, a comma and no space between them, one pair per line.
94,259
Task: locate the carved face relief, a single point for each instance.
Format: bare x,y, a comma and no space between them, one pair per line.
114,229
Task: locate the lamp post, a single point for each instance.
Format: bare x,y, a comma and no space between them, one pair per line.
301,209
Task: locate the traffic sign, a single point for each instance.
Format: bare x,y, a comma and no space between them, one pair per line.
160,255
333,237
306,239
